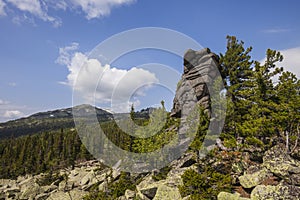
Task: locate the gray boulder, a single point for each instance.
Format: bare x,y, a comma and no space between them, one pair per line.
262,192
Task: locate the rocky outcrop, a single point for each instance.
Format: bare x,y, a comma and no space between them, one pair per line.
165,189
65,184
199,70
74,184
276,178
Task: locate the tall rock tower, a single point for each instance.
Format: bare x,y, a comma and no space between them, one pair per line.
199,70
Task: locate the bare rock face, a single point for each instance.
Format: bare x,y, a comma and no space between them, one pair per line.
199,70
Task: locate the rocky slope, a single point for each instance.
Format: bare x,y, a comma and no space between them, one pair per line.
74,184
277,177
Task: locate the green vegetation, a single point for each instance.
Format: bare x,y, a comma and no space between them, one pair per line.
258,109
114,189
205,185
34,154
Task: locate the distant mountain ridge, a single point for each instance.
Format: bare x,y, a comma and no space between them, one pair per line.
58,119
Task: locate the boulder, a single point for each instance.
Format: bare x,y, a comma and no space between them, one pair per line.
165,193
187,197
42,196
62,185
252,180
129,195
150,191
262,192
186,160
77,194
59,195
87,178
49,188
280,163
229,196
163,189
103,186
31,192
122,198
8,182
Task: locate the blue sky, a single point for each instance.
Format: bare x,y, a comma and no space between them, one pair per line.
35,34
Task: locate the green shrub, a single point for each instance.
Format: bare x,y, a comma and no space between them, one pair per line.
254,141
206,185
115,189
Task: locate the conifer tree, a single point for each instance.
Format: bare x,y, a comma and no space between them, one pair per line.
287,113
236,70
260,123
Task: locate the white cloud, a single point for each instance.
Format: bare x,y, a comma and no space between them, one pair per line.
65,54
13,114
35,8
20,19
99,8
119,84
2,10
291,61
39,9
57,4
9,110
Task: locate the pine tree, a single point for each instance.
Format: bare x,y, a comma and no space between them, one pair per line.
287,113
263,99
236,70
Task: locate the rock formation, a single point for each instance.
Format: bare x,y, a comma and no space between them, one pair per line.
199,71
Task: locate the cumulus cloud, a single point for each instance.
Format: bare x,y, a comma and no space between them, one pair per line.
291,61
99,8
12,114
36,8
101,82
2,6
10,111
